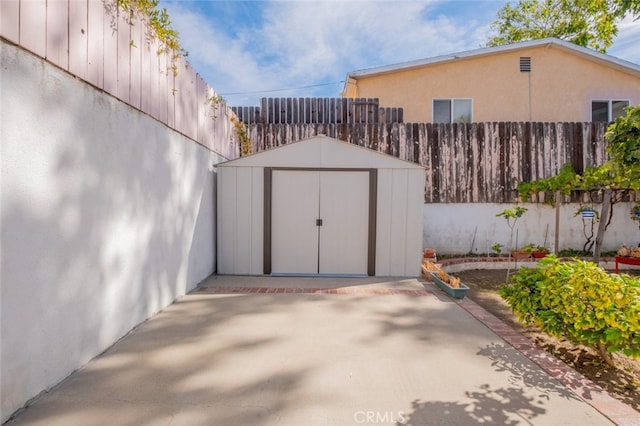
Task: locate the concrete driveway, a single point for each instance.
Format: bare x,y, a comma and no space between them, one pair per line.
280,351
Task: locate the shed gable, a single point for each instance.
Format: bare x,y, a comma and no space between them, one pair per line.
321,152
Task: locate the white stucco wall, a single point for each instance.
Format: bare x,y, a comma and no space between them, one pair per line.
450,228
107,217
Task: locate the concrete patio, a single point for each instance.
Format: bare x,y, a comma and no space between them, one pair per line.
289,351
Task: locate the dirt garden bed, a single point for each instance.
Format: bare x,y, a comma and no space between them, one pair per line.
622,382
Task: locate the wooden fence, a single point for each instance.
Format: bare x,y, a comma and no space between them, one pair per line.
95,42
465,163
318,110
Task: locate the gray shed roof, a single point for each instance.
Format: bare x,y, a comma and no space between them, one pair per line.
321,151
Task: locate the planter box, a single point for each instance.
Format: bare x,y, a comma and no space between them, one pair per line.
456,293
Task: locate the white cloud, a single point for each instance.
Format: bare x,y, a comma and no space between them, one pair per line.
318,38
627,43
224,62
252,46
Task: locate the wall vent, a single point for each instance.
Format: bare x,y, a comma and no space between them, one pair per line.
525,64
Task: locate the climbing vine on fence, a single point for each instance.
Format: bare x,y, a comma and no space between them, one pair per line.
158,20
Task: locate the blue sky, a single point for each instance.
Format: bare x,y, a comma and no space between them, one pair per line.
247,50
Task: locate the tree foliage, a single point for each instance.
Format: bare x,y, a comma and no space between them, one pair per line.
624,147
620,174
580,301
587,23
631,7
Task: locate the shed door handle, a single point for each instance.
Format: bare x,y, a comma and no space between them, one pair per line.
318,222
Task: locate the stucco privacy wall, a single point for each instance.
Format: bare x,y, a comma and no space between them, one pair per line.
473,227
107,216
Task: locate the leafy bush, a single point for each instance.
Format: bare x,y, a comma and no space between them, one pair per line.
580,301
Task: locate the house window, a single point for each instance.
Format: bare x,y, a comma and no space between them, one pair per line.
608,110
452,110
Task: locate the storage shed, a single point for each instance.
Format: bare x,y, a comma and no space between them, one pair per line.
319,207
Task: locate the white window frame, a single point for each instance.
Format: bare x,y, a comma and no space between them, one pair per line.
609,106
451,100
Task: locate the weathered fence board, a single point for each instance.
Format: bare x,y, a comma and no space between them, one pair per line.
78,19
10,20
465,163
317,110
116,52
95,44
33,26
57,33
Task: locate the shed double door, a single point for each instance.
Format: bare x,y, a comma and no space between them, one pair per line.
319,222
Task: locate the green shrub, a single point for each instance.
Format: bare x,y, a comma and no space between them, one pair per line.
580,301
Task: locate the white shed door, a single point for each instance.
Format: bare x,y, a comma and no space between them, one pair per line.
300,244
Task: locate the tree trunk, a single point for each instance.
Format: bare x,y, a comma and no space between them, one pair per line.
606,355
556,240
602,225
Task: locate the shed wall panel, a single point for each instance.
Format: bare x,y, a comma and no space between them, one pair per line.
243,221
257,219
240,220
415,205
398,234
383,227
226,220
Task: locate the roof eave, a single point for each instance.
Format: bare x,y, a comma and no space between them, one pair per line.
621,64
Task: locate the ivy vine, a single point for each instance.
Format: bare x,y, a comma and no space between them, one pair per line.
158,20
614,179
242,132
214,101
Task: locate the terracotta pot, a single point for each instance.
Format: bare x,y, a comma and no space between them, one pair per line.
429,253
539,254
520,254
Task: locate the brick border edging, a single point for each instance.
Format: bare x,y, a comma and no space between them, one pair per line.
300,290
618,412
483,259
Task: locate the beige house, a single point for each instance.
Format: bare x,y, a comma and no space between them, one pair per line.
540,80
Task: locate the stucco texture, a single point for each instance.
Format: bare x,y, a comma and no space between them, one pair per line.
107,217
559,88
463,228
